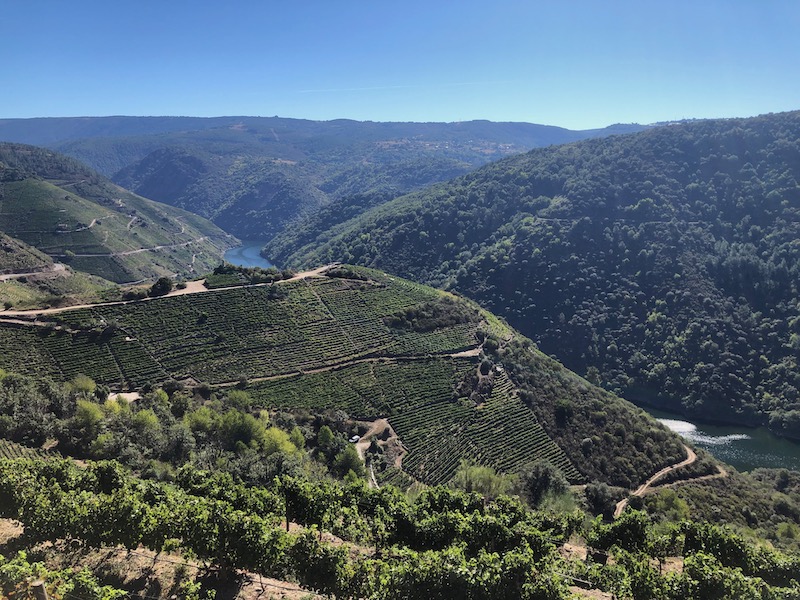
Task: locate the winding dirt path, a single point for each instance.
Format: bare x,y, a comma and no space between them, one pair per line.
650,486
138,250
721,473
55,270
642,489
192,287
347,362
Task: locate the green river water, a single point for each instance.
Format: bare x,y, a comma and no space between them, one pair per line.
744,448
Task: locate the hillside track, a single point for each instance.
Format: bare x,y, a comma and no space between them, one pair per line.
691,457
649,485
55,270
192,287
348,362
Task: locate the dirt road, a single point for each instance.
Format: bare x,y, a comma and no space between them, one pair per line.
648,485
192,287
642,489
55,270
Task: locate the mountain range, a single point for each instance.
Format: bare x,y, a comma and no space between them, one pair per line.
253,176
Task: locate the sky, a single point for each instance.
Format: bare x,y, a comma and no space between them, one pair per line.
574,63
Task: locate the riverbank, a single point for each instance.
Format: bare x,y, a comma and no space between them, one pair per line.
248,255
744,448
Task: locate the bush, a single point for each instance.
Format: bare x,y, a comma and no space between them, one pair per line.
161,287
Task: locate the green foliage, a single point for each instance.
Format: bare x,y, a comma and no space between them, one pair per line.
442,313
483,480
348,461
630,532
605,437
324,437
445,544
596,251
763,504
670,505
226,275
601,498
17,575
161,287
543,479
240,399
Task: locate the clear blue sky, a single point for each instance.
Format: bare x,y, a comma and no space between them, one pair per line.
575,63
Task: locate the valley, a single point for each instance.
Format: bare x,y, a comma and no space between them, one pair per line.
255,176
662,265
419,301
316,416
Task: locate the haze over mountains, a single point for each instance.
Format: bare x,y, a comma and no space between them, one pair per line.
254,175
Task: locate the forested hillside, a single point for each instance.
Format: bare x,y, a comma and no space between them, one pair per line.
254,175
662,264
78,217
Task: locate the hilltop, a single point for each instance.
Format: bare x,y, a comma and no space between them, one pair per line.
662,265
73,215
451,380
254,175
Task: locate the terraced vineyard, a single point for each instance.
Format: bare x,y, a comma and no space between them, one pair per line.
11,450
318,343
439,429
501,433
22,350
224,335
79,354
63,209
366,390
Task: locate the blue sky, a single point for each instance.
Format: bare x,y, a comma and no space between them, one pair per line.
576,64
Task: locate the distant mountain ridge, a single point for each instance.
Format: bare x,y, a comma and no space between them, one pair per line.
49,131
255,175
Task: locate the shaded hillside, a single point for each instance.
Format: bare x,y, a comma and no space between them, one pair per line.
367,345
663,264
253,175
75,216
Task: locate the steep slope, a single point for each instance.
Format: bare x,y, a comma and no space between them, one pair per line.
18,257
664,264
76,216
253,176
453,381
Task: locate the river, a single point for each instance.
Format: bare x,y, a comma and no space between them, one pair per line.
744,448
248,255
